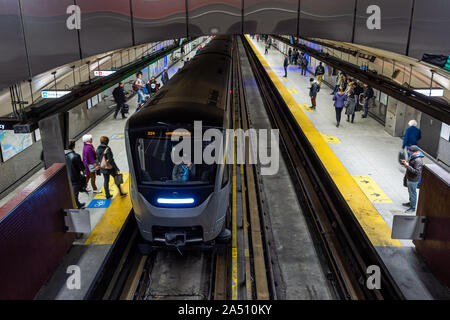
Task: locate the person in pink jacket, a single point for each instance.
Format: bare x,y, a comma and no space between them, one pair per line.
90,162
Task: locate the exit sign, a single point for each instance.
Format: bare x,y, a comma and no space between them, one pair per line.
103,73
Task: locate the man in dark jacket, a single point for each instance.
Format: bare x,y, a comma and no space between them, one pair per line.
368,94
285,65
75,167
165,76
313,90
320,71
120,99
413,174
304,64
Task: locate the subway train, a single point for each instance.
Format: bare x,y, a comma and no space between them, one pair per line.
183,204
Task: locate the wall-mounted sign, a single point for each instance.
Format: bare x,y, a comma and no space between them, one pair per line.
103,73
53,94
431,93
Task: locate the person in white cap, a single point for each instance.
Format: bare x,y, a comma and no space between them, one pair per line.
412,135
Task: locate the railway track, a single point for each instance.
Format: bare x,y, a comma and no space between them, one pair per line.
242,271
348,250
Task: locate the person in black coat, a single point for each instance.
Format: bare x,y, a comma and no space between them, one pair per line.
285,65
104,150
75,168
120,99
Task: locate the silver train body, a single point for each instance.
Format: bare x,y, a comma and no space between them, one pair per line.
176,206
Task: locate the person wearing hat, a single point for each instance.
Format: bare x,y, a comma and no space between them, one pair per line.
413,174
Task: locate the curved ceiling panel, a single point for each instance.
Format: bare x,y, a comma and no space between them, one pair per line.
158,19
273,17
326,19
49,42
214,17
105,26
394,25
430,28
13,59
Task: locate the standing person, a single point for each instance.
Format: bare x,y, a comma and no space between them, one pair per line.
339,102
90,162
352,100
338,83
120,99
165,76
320,71
75,169
152,86
412,135
290,55
138,86
107,165
267,45
304,64
285,65
413,174
313,90
368,94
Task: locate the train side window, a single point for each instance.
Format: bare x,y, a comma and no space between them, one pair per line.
226,175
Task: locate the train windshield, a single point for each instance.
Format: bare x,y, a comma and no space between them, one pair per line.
156,166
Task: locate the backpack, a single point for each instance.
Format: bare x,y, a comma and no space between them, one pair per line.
135,87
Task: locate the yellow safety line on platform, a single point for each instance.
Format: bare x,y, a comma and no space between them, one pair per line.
330,139
109,226
234,254
370,220
371,189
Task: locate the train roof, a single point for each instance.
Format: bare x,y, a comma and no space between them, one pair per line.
197,92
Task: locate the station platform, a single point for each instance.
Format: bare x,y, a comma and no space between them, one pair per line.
108,217
362,159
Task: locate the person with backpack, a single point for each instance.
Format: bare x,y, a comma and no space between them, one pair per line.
108,166
138,86
303,64
75,168
120,99
368,94
320,71
313,90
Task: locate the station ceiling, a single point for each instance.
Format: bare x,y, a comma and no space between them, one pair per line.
37,36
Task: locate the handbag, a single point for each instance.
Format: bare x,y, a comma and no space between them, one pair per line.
118,179
125,108
105,162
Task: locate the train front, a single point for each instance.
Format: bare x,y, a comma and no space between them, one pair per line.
175,203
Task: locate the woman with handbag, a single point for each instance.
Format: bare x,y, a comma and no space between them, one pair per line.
90,162
108,167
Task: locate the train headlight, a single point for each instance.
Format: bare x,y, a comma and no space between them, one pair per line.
175,201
